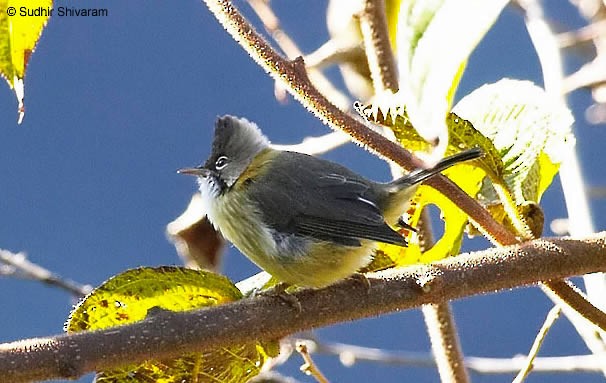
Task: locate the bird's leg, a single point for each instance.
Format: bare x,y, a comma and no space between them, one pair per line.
404,225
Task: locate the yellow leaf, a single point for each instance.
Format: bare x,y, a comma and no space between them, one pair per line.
19,34
134,294
469,178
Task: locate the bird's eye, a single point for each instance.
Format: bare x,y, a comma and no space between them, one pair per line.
221,162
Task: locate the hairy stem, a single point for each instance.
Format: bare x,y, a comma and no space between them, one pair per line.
381,62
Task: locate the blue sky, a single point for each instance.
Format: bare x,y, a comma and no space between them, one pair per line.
116,104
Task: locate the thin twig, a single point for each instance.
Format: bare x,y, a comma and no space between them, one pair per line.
440,322
588,76
350,354
552,316
317,145
19,266
310,367
169,334
581,35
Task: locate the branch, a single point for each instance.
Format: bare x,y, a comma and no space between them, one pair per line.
310,368
552,316
584,34
18,265
350,354
381,62
168,334
445,342
316,145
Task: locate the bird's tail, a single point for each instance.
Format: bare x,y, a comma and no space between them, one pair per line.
421,175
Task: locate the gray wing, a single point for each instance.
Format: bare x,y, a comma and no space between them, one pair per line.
316,198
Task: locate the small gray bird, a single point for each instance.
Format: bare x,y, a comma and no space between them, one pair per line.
306,221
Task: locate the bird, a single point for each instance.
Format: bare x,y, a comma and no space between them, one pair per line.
307,221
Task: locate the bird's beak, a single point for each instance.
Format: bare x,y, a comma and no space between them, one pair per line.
199,172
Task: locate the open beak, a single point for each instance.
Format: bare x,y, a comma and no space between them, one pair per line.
199,172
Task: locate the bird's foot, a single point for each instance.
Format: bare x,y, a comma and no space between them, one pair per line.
361,278
279,291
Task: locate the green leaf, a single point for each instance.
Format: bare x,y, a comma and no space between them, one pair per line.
18,38
531,132
134,294
434,41
469,178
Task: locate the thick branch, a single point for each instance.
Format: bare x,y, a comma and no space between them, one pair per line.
169,334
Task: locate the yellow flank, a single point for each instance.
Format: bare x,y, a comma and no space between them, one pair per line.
323,264
239,221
